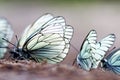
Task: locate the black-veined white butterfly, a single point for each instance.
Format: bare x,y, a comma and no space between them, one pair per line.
5,32
48,38
112,62
93,51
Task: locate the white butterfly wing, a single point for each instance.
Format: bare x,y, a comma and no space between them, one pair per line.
30,30
6,33
84,58
50,41
51,47
67,37
44,24
113,61
101,48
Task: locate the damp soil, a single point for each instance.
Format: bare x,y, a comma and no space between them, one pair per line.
29,70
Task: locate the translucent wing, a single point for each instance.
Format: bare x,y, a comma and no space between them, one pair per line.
101,48
112,62
44,24
49,41
84,58
5,32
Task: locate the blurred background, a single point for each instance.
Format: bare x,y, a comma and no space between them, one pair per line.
83,15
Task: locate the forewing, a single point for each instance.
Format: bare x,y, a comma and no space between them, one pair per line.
84,58
6,33
101,48
44,25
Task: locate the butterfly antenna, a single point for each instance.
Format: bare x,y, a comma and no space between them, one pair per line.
111,49
16,38
5,47
9,42
76,55
74,47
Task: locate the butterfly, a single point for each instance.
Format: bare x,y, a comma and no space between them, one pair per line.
48,38
112,62
93,51
5,32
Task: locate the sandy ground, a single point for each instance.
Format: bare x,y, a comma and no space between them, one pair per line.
28,70
103,17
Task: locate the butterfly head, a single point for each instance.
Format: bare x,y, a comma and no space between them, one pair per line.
104,63
16,53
